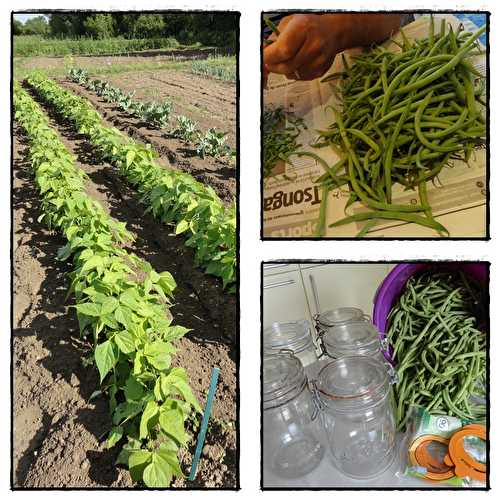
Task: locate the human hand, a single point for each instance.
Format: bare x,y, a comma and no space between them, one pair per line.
305,48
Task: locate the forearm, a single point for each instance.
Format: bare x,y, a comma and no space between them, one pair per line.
360,30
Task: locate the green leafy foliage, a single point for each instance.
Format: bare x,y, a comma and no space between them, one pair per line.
126,318
220,68
172,196
186,129
26,46
213,144
156,114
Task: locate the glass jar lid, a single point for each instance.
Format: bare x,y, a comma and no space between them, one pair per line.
293,335
349,339
352,382
283,379
341,315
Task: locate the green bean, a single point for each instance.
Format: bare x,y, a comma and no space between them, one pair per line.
388,155
404,116
453,61
320,231
402,216
446,359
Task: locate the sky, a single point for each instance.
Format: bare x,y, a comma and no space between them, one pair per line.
24,17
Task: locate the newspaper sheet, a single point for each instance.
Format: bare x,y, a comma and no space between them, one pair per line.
291,203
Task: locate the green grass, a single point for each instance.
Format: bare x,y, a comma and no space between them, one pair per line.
25,46
221,68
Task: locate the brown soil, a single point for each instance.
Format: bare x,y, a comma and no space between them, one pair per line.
58,435
208,102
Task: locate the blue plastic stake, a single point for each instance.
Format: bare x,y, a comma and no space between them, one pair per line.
204,422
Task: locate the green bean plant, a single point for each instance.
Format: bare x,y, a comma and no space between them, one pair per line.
405,115
122,306
172,196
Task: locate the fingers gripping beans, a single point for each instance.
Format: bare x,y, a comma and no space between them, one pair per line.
404,116
438,346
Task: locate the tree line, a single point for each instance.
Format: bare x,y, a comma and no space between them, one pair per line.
208,28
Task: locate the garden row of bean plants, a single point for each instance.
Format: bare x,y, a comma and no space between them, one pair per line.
212,143
172,196
126,318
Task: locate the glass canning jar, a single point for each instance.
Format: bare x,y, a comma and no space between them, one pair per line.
357,416
294,336
291,438
355,338
339,316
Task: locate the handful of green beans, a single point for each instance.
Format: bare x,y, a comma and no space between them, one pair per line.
280,132
405,116
438,346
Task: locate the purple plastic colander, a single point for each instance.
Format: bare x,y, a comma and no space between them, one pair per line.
391,288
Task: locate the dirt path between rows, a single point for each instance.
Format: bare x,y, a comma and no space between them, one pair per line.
218,173
58,434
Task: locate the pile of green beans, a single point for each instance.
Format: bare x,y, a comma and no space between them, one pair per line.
280,132
438,346
405,115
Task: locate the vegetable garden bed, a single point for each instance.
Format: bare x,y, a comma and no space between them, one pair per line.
34,410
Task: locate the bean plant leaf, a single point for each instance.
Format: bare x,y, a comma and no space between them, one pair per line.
172,423
133,390
105,357
130,298
130,157
137,462
169,455
175,332
167,282
108,305
125,341
125,410
150,411
114,436
123,316
158,354
186,392
181,227
89,309
157,474
94,262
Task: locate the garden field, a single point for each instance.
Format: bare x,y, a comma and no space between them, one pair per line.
178,206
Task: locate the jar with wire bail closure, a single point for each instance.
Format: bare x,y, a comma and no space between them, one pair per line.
292,335
291,438
339,316
349,332
352,394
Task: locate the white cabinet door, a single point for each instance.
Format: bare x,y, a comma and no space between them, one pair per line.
284,298
344,285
